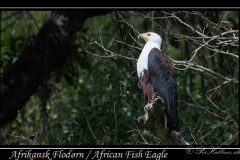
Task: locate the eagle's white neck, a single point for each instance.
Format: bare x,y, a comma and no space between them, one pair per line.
142,62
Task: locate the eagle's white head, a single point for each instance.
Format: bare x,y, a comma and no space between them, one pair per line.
151,37
153,41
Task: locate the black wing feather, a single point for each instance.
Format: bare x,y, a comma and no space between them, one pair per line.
164,83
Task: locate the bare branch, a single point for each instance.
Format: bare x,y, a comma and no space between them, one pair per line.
113,54
89,126
128,23
212,130
154,118
214,37
204,70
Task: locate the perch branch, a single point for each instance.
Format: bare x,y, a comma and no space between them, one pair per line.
154,120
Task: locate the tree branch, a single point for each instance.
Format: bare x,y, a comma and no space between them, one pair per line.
155,120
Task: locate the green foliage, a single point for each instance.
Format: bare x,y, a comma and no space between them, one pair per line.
95,98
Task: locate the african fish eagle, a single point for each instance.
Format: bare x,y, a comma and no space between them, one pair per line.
156,77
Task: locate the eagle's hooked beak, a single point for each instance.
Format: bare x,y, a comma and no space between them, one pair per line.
140,36
143,36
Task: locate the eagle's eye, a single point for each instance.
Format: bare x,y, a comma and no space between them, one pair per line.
148,34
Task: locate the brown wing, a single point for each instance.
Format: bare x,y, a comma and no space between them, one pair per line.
163,80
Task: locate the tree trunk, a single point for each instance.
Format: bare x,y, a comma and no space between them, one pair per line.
48,52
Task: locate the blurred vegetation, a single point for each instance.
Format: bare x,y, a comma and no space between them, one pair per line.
95,98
